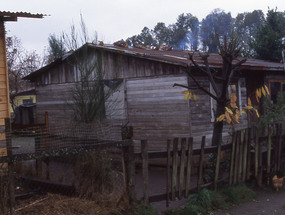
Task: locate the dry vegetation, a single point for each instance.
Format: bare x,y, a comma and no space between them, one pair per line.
58,204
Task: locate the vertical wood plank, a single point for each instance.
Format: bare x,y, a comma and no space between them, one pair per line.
236,158
248,168
245,148
260,170
189,166
269,143
10,166
200,175
168,171
144,147
241,141
256,153
279,146
174,169
217,165
232,158
182,167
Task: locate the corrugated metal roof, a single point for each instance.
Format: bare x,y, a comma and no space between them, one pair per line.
21,14
177,57
182,57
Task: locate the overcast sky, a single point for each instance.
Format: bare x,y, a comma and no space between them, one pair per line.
113,19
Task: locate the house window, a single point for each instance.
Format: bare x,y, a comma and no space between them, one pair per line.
276,87
234,87
27,101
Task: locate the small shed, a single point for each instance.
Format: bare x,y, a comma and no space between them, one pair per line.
148,100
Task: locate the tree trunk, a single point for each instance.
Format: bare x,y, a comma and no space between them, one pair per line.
218,126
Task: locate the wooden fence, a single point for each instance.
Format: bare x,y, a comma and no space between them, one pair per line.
249,156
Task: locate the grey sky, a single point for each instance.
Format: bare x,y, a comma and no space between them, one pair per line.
113,19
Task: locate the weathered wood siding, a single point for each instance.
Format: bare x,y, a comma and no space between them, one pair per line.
4,87
146,99
156,110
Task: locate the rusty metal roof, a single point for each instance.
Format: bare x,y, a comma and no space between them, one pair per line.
177,57
181,57
12,16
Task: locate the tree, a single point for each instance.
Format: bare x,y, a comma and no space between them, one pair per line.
162,34
90,93
269,42
56,48
219,80
20,63
246,25
216,23
185,32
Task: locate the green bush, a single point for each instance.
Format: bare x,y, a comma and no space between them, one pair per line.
208,200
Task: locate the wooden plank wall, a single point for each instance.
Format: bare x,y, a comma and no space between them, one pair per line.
4,84
146,99
156,110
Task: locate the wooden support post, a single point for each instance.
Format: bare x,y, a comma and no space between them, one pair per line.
232,158
279,146
144,151
168,171
269,143
11,177
46,137
248,168
200,174
182,167
236,158
245,152
217,165
241,141
189,166
260,168
174,169
38,161
256,154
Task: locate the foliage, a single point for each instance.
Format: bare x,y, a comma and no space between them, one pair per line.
232,113
20,63
98,181
207,200
217,22
140,209
56,48
273,113
269,41
246,25
181,35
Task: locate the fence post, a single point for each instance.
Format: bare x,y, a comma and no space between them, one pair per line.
182,167
129,163
168,171
279,145
236,168
217,165
144,151
174,169
269,142
46,137
189,162
10,166
232,158
245,148
200,176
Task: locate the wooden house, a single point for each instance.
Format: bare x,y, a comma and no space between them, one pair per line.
147,99
4,83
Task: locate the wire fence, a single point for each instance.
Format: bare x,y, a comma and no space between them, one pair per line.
84,160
